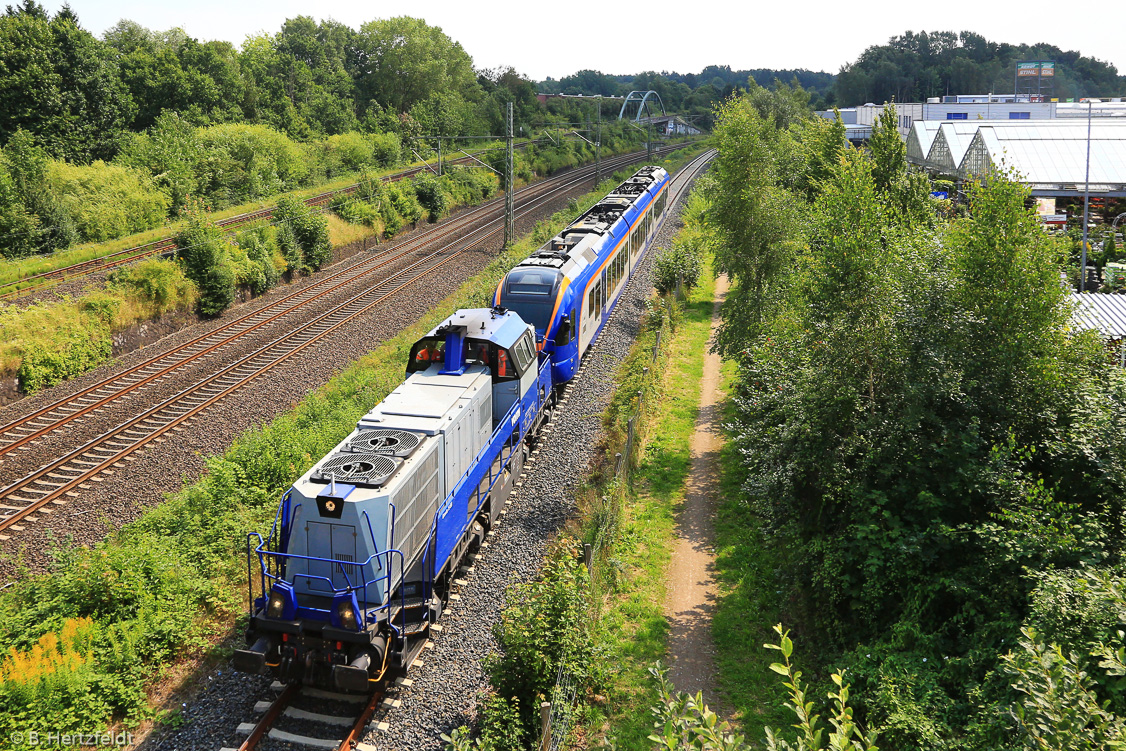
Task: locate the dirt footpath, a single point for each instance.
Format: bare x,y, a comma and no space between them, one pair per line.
691,583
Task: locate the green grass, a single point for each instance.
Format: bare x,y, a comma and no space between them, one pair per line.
747,571
162,591
633,623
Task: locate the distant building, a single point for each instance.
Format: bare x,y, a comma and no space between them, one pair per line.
859,120
1050,156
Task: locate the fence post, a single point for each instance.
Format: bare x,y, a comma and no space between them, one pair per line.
545,726
617,464
629,442
588,557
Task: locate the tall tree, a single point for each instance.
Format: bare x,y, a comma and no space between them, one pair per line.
401,61
61,84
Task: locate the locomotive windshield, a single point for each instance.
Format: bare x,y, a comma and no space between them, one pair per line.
530,293
503,365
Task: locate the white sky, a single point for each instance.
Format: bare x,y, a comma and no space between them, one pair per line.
542,38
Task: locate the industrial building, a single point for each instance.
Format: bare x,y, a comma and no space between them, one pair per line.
1050,156
858,120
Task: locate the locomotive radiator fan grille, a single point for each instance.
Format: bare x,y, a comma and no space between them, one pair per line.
364,470
401,443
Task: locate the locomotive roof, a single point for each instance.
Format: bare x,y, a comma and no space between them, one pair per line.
500,328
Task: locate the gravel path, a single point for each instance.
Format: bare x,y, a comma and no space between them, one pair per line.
445,689
691,580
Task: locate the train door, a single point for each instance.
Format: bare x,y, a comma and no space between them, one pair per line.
593,315
339,540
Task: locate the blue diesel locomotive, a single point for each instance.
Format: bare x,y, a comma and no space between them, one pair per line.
365,546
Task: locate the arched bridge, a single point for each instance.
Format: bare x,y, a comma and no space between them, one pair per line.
642,100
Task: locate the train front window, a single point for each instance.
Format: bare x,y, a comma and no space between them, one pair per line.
425,353
534,312
530,293
531,282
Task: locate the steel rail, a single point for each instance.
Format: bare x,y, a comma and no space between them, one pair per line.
359,728
200,346
262,727
129,255
98,455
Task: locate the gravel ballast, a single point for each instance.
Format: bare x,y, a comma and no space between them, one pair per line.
446,687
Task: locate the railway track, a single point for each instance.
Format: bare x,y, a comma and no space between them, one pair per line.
298,716
36,494
358,721
12,289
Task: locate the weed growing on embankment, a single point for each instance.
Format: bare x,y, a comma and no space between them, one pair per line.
165,589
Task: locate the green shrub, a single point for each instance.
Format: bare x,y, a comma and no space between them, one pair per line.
156,281
241,162
264,261
302,235
358,212
431,195
404,201
677,263
106,200
203,249
544,628
386,149
46,363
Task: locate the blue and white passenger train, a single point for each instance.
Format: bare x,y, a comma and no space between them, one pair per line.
366,545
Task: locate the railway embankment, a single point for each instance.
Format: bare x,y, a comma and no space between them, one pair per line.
579,633
153,604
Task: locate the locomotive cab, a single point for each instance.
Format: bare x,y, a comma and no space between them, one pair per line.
364,544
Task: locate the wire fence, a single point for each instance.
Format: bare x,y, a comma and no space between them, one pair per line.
556,714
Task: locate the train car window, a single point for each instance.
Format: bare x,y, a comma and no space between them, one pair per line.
530,282
525,352
477,352
564,332
425,353
592,301
503,367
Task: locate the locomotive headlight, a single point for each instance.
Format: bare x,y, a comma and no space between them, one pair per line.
346,615
282,603
276,606
345,611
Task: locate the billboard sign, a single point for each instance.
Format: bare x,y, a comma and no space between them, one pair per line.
1047,69
1028,69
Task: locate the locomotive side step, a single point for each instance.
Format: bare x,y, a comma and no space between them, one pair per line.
415,628
411,604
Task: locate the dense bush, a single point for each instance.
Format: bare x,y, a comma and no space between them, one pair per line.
84,346
302,235
203,250
925,439
105,200
544,628
238,163
431,195
679,265
155,281
259,263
